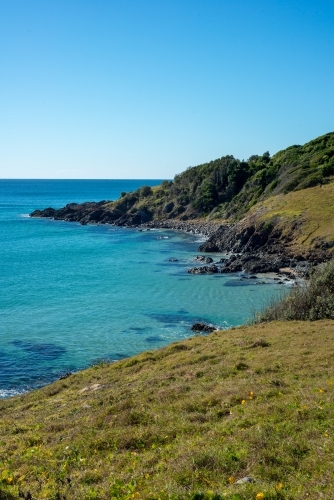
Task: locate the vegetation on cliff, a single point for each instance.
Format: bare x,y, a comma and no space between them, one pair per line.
227,187
299,224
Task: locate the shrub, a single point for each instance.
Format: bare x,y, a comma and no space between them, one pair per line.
145,191
311,301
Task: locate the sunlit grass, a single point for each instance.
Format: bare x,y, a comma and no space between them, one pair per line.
306,215
186,421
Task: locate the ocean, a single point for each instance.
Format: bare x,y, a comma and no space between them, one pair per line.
74,295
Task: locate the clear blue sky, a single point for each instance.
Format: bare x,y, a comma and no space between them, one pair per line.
146,88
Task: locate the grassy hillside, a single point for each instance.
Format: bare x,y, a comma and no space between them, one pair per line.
227,187
312,209
301,222
186,421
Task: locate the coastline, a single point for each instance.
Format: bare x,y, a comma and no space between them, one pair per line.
246,248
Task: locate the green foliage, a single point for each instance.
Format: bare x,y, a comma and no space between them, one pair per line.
230,186
145,191
207,197
312,301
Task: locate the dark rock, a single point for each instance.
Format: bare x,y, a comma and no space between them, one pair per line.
202,327
47,212
209,246
204,270
173,260
203,258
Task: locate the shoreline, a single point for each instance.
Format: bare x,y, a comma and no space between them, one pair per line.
248,248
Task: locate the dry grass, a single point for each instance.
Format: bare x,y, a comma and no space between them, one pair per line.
306,215
185,421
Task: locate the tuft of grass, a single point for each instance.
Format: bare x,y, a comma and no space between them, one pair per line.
312,301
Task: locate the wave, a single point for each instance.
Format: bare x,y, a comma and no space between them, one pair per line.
9,393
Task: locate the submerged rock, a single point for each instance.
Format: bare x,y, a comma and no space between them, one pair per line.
204,270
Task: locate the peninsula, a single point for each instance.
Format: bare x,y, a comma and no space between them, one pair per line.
269,212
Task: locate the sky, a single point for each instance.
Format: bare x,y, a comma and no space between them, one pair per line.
125,89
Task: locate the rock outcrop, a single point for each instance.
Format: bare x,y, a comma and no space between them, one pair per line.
94,213
203,327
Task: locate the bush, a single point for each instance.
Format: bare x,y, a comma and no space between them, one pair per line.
145,191
311,301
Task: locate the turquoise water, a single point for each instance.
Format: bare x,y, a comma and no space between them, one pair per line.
72,295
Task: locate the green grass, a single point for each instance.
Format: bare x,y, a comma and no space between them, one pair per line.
186,421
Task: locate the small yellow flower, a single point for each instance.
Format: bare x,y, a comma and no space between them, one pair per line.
259,496
231,480
251,394
321,390
147,476
243,401
279,486
9,480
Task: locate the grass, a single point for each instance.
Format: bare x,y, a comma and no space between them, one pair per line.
186,421
306,215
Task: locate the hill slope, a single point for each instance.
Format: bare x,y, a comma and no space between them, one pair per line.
193,417
298,224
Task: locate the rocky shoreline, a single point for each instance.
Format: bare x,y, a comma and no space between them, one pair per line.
245,247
